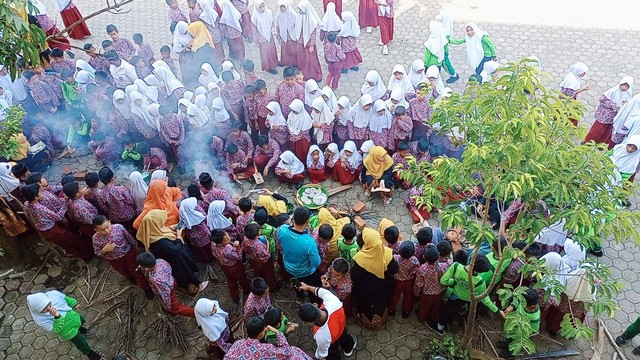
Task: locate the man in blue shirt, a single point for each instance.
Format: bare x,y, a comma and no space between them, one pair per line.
300,252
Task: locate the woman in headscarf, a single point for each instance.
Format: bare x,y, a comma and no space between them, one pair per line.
288,30
326,218
159,174
121,103
138,189
160,196
290,169
144,122
435,45
480,48
196,117
221,118
435,80
377,173
174,88
348,40
359,117
610,103
347,169
53,312
322,118
311,92
571,85
331,156
277,124
207,75
203,44
574,253
341,126
217,220
231,28
9,197
372,276
417,73
299,123
373,86
192,218
626,157
331,22
164,242
400,80
380,124
150,92
396,99
627,121
213,322
201,101
186,58
262,22
9,185
315,165
447,27
308,61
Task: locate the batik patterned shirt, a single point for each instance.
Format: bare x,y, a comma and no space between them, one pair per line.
243,142
124,48
162,282
81,211
428,278
285,94
408,268
117,202
256,306
42,217
120,237
227,255
253,349
172,129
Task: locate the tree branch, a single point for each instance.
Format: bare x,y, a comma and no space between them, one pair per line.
116,6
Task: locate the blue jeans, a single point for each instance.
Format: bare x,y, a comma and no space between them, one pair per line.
481,66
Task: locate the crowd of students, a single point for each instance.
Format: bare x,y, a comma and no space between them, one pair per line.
127,107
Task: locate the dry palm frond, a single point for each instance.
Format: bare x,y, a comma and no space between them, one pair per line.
167,331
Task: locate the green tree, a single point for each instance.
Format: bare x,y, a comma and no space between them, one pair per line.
10,126
18,38
520,143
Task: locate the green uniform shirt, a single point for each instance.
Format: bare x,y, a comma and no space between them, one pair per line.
487,45
272,337
430,59
269,231
130,154
458,276
534,320
486,276
67,326
347,250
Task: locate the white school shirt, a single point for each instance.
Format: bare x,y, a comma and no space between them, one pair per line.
123,75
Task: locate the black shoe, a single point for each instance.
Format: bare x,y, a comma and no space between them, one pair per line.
83,330
597,253
453,79
273,71
70,54
636,351
355,68
435,327
149,294
621,340
92,355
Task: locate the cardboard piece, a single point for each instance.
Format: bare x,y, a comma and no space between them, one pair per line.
257,177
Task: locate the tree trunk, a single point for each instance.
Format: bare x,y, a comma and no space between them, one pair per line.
471,323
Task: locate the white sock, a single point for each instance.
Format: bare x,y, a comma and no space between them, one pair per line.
440,327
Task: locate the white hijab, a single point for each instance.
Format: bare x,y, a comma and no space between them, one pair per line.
330,20
437,40
228,66
189,216
297,123
153,109
170,82
8,182
366,147
83,65
160,64
310,156
627,114
152,80
573,254
309,87
125,108
212,325
333,147
277,118
181,38
310,20
324,117
209,14
380,122
83,78
560,270
625,162
578,287
150,92
230,15
263,20
618,96
286,22
38,301
489,68
377,90
359,116
158,175
447,22
138,189
355,159
201,102
475,52
344,101
554,234
434,72
417,74
196,117
215,218
15,87
38,8
141,110
397,95
289,161
211,76
351,26
219,113
572,79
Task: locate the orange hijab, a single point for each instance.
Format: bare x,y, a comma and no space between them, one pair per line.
377,162
160,197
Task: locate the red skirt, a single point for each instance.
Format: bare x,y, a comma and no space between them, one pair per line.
246,26
317,176
289,53
352,59
368,13
236,48
70,16
423,212
301,148
601,134
338,4
343,176
268,55
261,161
296,179
59,41
386,29
309,64
247,172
